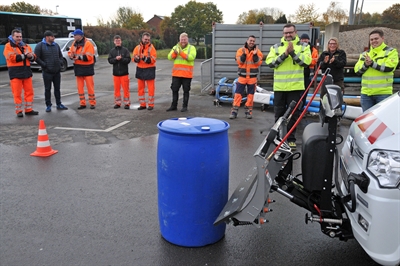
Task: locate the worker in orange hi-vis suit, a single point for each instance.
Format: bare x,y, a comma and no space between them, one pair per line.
145,55
249,58
18,57
83,54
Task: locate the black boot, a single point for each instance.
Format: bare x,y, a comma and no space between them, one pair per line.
174,103
185,102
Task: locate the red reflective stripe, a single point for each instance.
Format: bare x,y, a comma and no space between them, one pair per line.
363,116
364,126
377,132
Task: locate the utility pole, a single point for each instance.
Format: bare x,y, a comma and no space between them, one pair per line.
351,13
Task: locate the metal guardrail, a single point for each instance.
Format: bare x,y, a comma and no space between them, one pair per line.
206,75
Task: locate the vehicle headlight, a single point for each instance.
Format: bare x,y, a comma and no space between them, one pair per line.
385,166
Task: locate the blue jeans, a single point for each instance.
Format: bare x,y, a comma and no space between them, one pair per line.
369,101
54,78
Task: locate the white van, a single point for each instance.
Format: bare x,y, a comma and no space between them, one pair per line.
65,44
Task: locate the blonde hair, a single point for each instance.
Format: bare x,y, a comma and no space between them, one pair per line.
183,34
334,39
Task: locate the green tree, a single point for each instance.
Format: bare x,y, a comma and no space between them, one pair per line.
369,19
255,16
281,20
45,11
196,19
22,7
168,32
129,19
391,15
306,13
335,13
5,8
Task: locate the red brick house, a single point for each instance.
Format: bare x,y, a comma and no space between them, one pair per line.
155,22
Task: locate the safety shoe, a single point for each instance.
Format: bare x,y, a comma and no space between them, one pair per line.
32,113
81,107
92,107
62,107
141,107
249,113
48,108
20,114
184,109
150,108
234,112
117,106
172,108
292,145
126,107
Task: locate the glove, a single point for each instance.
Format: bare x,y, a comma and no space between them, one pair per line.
148,60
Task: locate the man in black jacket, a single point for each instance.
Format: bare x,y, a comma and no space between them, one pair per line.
120,57
49,57
335,59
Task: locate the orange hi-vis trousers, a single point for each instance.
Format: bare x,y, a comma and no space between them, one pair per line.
150,88
80,82
17,85
121,81
240,88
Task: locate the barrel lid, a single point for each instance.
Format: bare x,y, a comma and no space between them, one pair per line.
193,125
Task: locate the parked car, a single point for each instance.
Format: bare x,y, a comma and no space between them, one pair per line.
65,44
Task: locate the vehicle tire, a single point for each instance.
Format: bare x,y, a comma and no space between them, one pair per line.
64,65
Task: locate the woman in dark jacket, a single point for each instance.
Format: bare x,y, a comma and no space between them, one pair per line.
336,60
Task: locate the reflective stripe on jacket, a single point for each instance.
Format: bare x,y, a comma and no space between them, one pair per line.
144,52
85,50
146,66
183,62
18,64
377,79
288,69
248,69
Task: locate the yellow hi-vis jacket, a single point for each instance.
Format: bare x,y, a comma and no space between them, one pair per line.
183,61
377,79
289,69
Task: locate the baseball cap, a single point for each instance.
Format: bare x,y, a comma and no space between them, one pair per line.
78,32
304,36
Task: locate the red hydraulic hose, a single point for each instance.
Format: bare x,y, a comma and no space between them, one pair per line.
301,116
306,91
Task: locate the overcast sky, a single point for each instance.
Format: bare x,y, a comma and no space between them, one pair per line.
90,11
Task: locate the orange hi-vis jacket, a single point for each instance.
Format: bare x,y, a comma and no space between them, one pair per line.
314,57
18,64
147,54
84,64
248,64
183,61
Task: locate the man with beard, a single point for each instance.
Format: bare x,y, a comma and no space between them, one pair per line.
249,59
288,59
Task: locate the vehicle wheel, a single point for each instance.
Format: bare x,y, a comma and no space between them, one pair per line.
64,65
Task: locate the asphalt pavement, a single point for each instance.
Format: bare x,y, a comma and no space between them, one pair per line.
95,201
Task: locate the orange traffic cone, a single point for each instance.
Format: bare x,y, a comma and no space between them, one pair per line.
43,144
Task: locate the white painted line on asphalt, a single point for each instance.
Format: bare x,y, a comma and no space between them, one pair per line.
95,130
67,94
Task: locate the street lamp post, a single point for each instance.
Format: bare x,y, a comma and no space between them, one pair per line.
56,9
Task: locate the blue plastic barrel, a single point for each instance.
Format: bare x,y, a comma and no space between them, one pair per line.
192,179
